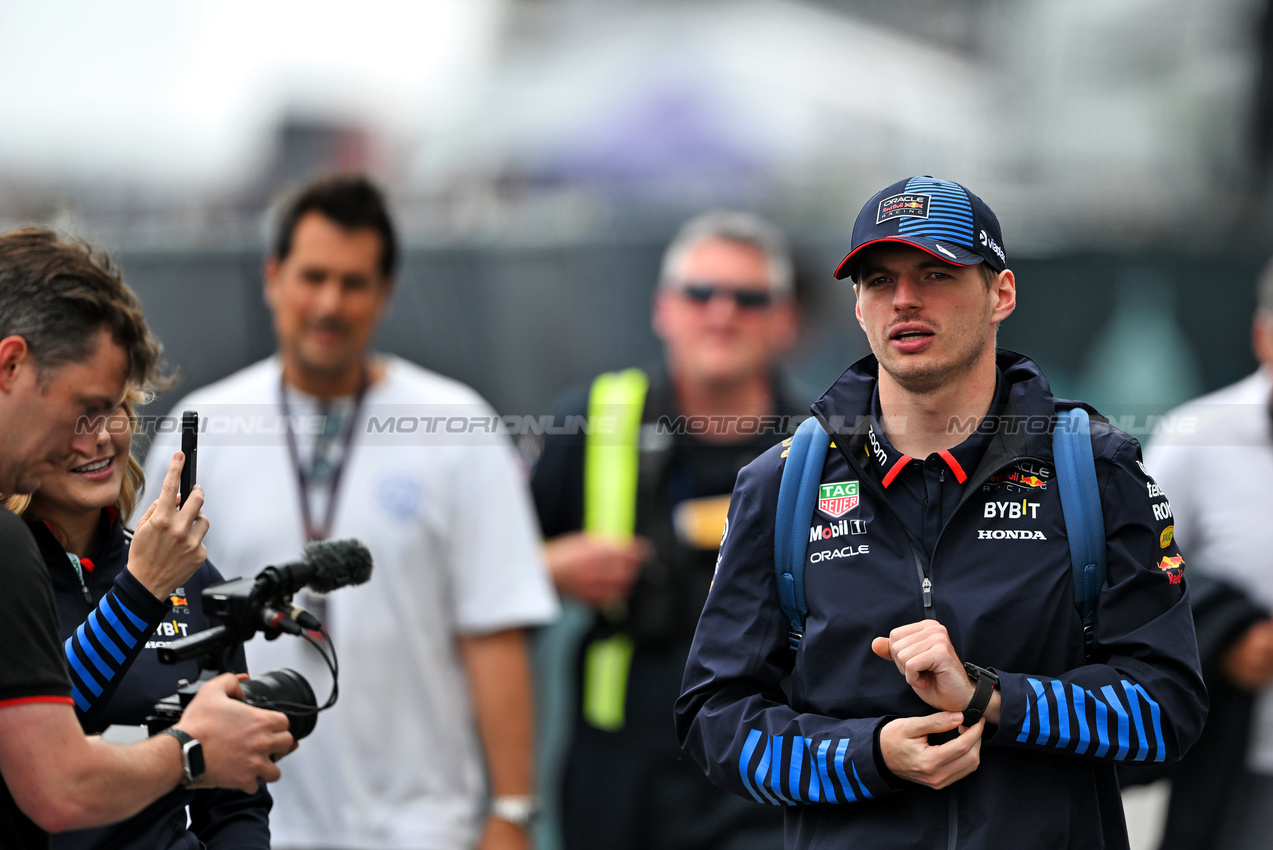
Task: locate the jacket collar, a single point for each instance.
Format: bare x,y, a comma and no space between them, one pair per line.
110,550
1022,428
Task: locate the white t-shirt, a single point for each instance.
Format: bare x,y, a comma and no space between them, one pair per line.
436,493
1214,461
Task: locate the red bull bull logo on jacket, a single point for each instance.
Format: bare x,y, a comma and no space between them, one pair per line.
1173,566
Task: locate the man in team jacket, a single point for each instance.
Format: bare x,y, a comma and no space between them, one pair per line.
942,694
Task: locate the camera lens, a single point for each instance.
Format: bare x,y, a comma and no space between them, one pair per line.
284,686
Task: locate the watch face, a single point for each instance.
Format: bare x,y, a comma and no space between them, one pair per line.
194,761
976,673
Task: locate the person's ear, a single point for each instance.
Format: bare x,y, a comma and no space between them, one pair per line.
272,272
659,313
1262,338
15,356
1004,291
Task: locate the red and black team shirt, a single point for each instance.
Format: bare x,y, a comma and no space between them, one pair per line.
32,664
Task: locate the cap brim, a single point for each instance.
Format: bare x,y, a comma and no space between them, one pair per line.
944,251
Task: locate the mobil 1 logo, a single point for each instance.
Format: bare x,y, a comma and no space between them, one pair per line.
829,531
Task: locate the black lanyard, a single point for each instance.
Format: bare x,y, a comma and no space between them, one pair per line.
320,532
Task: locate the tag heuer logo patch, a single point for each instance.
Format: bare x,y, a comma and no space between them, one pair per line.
837,499
905,204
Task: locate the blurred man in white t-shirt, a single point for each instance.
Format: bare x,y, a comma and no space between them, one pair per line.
430,743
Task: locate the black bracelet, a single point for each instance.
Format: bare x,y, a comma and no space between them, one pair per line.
986,681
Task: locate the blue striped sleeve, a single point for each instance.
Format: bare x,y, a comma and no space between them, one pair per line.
808,771
1129,723
1133,704
798,749
94,623
138,623
1102,726
775,768
1080,714
80,702
89,651
822,771
1062,710
1124,740
81,673
1155,718
105,645
1044,716
840,752
744,763
762,775
866,792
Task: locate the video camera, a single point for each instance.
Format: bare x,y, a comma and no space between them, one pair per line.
264,604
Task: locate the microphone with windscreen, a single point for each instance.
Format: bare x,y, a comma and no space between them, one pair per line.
325,565
264,604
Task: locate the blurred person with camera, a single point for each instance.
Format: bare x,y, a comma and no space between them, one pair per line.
430,744
72,338
1215,460
932,681
121,598
633,519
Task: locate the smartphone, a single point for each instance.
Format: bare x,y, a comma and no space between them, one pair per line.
189,448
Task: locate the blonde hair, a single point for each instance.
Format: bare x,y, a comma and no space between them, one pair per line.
134,476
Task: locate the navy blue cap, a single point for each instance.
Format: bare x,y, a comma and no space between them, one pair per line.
937,216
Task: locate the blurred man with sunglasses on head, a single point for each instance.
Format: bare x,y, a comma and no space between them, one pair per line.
633,519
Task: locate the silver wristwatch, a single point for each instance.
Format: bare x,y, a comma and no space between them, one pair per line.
192,765
517,810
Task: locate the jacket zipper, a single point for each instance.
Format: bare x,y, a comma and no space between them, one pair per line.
925,583
917,551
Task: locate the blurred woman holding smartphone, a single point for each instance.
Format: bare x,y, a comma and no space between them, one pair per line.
121,595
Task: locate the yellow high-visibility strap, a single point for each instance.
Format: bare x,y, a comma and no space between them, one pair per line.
611,463
612,453
606,663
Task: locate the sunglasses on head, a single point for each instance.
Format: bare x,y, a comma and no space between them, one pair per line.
744,299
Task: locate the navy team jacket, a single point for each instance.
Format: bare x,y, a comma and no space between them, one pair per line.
999,580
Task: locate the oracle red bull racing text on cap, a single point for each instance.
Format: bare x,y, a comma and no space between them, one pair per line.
937,216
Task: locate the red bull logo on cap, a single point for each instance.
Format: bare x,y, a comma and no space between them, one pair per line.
906,204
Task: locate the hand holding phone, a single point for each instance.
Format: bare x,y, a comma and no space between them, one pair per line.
189,448
166,550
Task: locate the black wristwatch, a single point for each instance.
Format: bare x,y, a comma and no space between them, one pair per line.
191,755
986,682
